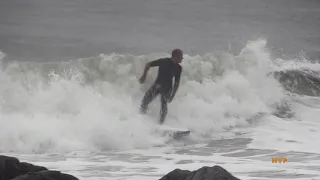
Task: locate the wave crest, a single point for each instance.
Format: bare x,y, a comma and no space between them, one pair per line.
89,103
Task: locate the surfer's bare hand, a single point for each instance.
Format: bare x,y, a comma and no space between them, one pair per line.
142,79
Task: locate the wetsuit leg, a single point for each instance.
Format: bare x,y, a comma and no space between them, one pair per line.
164,105
152,92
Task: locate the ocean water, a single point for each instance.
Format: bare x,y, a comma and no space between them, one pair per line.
69,93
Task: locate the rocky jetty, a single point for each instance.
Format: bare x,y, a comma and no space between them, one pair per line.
12,169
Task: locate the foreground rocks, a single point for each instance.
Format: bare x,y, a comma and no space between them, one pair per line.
12,169
46,175
204,173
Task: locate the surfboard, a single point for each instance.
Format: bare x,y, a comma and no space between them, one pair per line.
175,132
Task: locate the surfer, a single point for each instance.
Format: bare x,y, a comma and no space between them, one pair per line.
168,68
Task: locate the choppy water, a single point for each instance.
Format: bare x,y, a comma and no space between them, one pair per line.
249,89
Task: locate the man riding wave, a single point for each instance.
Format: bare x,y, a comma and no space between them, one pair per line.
169,68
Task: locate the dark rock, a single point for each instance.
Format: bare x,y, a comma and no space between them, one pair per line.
46,175
204,173
11,167
176,174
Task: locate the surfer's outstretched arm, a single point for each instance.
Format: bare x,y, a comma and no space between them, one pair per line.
147,67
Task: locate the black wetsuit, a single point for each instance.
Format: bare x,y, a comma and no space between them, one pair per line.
163,85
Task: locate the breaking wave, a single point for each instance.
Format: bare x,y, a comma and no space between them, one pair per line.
92,103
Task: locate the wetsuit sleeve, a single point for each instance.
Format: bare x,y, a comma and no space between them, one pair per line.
178,75
176,82
157,62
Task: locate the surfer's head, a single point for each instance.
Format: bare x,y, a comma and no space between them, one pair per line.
177,55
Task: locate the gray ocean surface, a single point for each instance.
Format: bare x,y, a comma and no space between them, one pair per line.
47,30
38,129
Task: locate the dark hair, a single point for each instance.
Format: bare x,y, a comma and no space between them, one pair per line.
176,51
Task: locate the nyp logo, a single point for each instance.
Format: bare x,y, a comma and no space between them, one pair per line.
279,160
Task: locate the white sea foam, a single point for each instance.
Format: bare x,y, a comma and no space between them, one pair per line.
92,104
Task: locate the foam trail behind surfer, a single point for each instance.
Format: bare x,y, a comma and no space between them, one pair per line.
168,68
